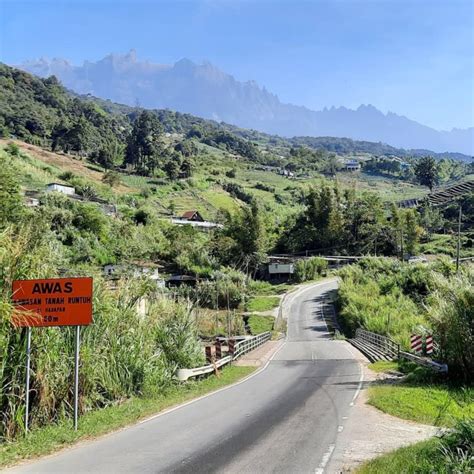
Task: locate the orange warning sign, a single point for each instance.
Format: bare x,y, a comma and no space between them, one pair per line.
52,302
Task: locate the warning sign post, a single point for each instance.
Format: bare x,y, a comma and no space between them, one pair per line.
52,302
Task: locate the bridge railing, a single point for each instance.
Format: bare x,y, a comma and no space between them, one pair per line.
240,348
383,343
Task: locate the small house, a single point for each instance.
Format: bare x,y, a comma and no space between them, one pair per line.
179,280
60,188
279,270
31,202
352,165
111,270
194,219
193,216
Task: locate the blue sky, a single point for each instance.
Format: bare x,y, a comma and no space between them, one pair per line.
415,58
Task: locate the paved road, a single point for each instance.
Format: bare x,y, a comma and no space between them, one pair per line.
284,419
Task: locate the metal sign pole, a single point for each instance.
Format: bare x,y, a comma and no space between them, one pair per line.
76,375
27,394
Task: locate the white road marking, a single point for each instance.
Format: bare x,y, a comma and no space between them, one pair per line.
325,460
340,428
359,387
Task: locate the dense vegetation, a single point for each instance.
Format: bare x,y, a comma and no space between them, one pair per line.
397,300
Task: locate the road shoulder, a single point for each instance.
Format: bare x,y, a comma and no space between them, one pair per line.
368,432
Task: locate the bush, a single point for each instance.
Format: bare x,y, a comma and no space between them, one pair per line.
12,149
310,269
452,315
457,447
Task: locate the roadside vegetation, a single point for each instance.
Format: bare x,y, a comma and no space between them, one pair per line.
259,324
397,299
421,395
451,452
262,303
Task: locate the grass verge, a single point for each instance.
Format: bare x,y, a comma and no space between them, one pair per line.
421,396
438,405
259,324
262,303
424,457
383,366
50,438
449,453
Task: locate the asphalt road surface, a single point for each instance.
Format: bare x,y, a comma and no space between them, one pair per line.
285,418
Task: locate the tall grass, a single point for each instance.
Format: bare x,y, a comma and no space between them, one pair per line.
122,353
370,296
395,299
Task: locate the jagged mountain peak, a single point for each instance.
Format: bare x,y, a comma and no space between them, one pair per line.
207,91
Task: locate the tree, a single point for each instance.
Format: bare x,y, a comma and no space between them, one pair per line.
144,147
427,172
11,206
111,154
413,231
187,167
173,166
249,233
187,148
79,137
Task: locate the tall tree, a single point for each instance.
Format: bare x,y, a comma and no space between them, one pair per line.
11,206
144,147
427,172
248,232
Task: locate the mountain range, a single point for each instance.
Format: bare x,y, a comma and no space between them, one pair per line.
206,91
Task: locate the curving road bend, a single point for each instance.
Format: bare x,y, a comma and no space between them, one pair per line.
285,418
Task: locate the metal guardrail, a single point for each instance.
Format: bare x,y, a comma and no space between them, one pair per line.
383,343
248,345
442,368
393,349
241,348
185,374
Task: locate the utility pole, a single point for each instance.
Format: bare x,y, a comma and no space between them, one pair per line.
458,248
401,245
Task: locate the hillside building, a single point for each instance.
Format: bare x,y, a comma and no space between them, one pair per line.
60,188
352,165
194,219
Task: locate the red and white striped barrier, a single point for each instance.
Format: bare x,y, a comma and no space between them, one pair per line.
416,343
429,344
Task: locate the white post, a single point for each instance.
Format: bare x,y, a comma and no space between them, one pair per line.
76,376
27,394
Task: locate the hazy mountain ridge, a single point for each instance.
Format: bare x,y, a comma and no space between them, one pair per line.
206,91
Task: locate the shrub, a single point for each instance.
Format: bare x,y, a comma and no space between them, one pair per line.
452,315
457,447
12,149
310,269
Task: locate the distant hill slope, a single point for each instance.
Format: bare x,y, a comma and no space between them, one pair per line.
38,110
204,90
